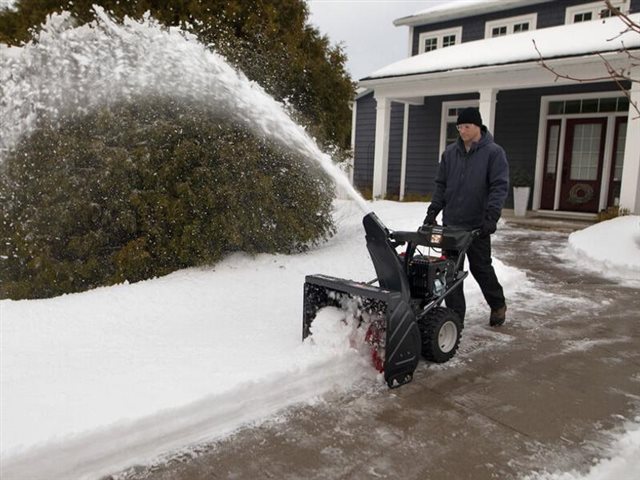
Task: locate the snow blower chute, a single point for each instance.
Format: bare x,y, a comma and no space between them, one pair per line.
402,315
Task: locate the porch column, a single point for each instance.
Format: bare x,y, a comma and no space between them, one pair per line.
630,188
403,162
488,107
381,155
354,116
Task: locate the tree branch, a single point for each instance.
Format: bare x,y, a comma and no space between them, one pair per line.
618,76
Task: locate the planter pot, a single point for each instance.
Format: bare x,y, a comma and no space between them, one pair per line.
520,200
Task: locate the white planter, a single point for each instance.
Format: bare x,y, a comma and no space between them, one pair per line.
520,200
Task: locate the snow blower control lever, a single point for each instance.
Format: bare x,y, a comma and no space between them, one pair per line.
402,315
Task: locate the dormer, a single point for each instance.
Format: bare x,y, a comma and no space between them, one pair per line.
593,11
459,22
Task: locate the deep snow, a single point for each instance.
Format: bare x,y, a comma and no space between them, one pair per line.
95,381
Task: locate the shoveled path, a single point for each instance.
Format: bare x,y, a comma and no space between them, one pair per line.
540,392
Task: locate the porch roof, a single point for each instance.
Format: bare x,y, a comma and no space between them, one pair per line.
580,39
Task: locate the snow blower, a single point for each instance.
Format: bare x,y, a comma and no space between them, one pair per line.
402,315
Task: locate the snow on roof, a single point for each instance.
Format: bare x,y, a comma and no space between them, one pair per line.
461,9
585,38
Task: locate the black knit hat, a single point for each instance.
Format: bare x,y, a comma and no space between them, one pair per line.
470,115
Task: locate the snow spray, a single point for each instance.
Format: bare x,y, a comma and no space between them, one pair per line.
75,69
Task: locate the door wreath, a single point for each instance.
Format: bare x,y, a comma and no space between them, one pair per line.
580,193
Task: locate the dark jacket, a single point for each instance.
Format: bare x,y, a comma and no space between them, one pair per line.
471,186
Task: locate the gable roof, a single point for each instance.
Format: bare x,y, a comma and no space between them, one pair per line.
461,9
578,39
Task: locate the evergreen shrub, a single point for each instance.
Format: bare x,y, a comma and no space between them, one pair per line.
141,189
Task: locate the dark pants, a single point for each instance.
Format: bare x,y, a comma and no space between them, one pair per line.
479,254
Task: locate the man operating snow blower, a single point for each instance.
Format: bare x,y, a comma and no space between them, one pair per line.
470,189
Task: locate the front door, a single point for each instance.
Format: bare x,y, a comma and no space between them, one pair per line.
582,166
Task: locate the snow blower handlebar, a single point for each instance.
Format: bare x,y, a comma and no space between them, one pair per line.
456,239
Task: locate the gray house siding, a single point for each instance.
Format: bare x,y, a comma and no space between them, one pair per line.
395,149
550,14
423,143
365,136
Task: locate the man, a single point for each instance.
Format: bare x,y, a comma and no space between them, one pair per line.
471,186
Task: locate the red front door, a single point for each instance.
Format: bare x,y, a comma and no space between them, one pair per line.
582,166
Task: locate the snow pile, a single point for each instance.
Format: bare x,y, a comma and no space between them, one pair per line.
611,248
96,381
623,461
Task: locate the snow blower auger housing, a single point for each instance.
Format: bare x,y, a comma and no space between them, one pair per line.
402,315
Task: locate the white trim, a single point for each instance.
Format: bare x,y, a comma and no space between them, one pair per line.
454,10
630,186
381,146
352,161
539,172
594,8
487,107
606,162
558,189
405,142
445,118
410,46
510,22
439,35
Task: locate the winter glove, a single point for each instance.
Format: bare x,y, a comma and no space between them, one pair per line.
430,219
488,227
489,224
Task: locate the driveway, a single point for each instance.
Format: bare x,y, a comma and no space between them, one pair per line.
544,391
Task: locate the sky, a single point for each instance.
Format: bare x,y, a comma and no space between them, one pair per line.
365,28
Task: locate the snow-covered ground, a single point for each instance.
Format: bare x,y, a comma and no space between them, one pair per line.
96,381
91,383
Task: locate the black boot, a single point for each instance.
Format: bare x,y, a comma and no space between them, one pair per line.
498,316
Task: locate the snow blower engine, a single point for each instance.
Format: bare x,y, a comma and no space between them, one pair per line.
401,316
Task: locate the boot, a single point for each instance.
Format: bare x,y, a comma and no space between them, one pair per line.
498,316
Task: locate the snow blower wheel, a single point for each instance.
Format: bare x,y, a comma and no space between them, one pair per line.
441,331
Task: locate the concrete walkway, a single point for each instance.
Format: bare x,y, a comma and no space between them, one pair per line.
540,392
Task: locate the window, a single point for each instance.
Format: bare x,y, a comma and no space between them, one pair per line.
429,41
498,31
430,44
450,112
589,105
507,26
552,148
585,152
593,11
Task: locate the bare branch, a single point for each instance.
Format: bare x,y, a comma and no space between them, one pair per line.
631,25
618,76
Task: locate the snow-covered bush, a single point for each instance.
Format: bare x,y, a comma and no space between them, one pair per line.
144,188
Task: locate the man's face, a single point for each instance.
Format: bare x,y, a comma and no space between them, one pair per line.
469,132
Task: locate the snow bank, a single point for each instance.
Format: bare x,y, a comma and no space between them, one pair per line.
611,248
622,462
96,381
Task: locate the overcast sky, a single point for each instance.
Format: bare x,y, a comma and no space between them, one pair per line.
365,28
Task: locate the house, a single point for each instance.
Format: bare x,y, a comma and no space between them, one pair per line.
577,141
